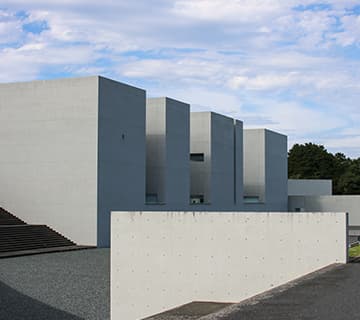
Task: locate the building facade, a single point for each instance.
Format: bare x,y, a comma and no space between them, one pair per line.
73,150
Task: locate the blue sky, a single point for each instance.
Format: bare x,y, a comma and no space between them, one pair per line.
292,66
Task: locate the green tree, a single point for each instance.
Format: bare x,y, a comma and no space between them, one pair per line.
343,165
312,161
349,182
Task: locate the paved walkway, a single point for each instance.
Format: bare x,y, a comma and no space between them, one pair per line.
332,295
68,286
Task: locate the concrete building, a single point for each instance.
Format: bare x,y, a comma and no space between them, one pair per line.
265,170
309,187
75,149
308,195
330,203
216,168
167,152
72,150
238,164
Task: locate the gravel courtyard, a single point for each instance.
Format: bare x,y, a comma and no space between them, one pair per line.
66,285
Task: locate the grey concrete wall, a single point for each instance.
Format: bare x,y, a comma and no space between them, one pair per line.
239,164
223,175
156,147
121,152
178,149
254,163
214,135
276,170
48,162
168,148
309,187
200,142
265,169
160,260
350,204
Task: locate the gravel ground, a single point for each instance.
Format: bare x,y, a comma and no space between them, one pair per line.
66,285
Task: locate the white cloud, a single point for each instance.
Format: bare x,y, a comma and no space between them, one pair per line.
233,10
221,55
10,28
264,82
351,33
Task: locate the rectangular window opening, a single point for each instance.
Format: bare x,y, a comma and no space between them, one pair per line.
197,199
251,199
151,198
199,157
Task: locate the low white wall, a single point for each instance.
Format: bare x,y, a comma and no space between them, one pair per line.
160,260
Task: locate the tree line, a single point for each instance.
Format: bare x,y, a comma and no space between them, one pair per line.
312,161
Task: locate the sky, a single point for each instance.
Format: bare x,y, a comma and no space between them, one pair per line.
291,66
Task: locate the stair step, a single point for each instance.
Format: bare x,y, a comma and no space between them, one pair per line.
6,215
17,236
41,251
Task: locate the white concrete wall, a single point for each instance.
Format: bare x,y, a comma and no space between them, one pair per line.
48,147
160,260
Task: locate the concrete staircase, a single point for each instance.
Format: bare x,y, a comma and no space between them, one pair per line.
6,218
18,238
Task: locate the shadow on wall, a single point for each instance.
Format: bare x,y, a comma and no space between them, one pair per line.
17,306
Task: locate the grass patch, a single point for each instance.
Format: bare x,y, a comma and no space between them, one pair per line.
354,251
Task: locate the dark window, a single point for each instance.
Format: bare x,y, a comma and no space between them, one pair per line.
152,198
197,157
197,199
251,199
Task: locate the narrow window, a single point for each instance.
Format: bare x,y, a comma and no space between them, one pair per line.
197,199
151,198
251,199
199,157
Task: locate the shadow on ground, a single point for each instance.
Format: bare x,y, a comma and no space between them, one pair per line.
17,306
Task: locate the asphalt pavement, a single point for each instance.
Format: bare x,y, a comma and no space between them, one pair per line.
333,294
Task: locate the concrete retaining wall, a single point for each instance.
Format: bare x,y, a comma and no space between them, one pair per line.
160,260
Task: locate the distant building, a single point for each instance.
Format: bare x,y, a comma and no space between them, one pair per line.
306,195
309,187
